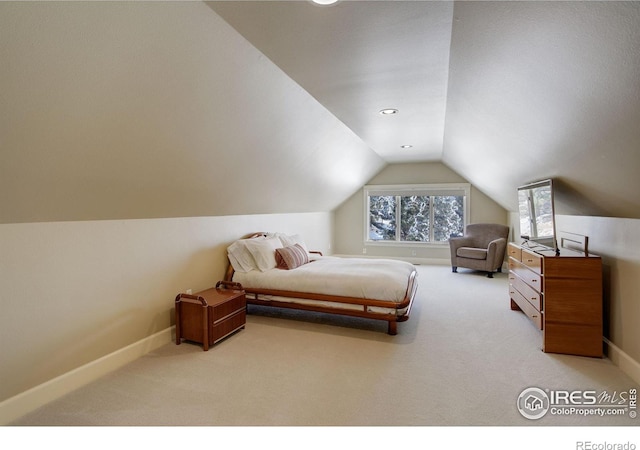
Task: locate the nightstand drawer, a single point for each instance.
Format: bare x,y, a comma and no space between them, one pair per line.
225,327
228,308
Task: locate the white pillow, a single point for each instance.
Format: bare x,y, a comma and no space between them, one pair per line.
264,252
240,257
288,241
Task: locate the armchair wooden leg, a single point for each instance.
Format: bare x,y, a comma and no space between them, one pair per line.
489,274
454,269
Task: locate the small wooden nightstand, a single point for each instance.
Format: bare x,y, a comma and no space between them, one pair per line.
211,315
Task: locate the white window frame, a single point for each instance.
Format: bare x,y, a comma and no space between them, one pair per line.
415,189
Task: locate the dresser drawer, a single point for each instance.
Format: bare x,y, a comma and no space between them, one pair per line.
531,295
532,278
532,260
514,252
533,314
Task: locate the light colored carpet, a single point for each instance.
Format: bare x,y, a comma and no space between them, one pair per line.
461,359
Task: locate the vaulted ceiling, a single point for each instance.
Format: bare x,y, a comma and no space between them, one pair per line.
504,93
115,110
359,57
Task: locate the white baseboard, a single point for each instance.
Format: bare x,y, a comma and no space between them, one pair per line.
25,402
429,261
411,259
625,362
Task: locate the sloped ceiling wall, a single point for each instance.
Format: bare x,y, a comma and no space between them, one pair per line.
548,89
114,110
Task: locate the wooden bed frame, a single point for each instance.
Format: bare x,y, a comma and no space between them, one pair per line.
412,286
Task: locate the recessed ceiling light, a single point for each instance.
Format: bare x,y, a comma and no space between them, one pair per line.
406,146
325,2
388,111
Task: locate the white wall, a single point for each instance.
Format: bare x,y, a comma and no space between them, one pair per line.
73,292
617,241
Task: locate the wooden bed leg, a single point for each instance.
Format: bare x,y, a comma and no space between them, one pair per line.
393,328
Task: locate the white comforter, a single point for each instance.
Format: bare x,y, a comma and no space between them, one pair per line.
379,279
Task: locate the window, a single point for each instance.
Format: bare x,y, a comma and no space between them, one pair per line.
415,213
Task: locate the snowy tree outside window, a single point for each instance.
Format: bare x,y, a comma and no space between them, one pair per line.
416,213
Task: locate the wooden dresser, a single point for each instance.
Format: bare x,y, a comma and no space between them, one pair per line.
561,294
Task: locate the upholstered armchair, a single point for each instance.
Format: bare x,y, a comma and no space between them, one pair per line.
481,248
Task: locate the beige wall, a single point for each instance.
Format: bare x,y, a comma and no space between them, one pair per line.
617,241
349,217
73,292
135,110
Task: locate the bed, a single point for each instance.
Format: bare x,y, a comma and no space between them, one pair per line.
278,270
